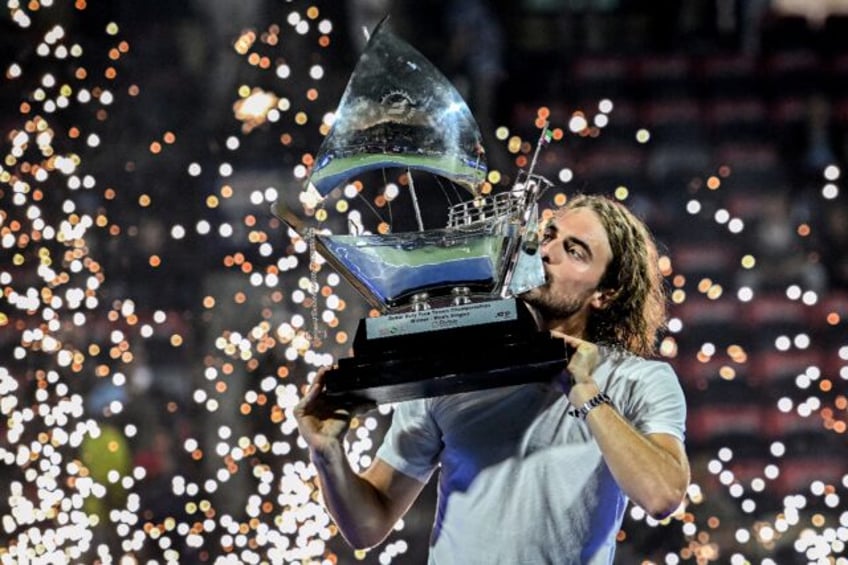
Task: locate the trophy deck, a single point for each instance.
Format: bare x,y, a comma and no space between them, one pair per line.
478,350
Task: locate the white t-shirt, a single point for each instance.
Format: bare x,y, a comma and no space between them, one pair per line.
522,481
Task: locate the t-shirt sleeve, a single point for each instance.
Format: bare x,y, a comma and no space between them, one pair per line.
656,403
413,441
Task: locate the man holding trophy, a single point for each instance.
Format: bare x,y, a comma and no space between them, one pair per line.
535,470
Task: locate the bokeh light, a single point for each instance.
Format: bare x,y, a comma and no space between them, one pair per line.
159,323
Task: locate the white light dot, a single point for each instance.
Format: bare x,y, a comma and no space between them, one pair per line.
693,207
830,191
831,172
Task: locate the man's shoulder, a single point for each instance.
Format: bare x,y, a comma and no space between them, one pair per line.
621,364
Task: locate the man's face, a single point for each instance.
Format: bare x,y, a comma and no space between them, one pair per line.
575,253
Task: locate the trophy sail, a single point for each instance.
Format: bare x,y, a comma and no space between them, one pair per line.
398,110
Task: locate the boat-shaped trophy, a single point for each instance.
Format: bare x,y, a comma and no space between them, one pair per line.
451,320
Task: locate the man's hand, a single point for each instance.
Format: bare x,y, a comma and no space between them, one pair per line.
584,359
323,421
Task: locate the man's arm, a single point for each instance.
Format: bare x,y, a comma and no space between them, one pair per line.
652,470
364,506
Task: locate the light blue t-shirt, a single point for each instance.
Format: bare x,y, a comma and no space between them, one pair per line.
522,481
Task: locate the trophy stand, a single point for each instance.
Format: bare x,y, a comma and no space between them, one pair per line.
433,352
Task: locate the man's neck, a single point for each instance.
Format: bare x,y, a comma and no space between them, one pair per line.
574,326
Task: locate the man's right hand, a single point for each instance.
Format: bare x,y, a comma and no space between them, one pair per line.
323,421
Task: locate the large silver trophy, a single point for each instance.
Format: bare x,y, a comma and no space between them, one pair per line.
451,320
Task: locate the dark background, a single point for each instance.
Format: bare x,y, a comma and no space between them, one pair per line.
184,365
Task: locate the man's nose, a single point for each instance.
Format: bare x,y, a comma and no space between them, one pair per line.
545,251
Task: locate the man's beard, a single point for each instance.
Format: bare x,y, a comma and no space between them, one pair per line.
549,306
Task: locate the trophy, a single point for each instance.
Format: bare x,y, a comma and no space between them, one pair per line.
450,320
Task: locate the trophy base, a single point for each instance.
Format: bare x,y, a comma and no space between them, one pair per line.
446,351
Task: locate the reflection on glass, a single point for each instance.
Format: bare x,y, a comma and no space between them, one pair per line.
398,110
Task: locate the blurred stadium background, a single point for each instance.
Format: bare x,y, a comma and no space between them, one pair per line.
156,321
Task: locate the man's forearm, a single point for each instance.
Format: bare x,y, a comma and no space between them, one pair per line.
649,472
358,508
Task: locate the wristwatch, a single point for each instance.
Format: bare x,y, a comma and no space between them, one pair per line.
593,402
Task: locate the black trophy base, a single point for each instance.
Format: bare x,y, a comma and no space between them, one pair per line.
446,351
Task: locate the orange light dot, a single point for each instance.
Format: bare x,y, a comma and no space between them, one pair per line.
169,137
155,261
221,387
110,73
804,230
324,41
713,183
155,148
833,319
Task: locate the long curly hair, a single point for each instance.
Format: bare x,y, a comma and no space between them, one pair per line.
636,310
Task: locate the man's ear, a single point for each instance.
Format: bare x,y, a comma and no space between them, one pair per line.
603,298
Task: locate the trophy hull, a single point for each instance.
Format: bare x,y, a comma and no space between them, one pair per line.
389,269
446,351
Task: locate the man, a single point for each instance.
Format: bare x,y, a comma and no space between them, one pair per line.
535,473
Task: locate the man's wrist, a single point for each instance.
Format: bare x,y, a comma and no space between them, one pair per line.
328,454
581,393
585,397
598,400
